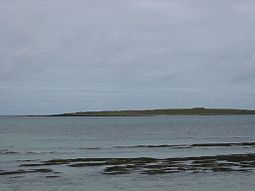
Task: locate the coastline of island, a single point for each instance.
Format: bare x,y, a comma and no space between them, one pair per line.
156,112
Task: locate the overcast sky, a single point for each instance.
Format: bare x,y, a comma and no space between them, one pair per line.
77,55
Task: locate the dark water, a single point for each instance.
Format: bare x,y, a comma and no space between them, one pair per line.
40,139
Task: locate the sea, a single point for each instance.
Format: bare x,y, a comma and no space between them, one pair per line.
34,140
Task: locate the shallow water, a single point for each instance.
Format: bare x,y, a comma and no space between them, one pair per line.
46,138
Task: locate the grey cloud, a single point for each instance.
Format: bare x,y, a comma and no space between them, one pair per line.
71,55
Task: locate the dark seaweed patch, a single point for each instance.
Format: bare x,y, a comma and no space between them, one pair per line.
52,176
116,170
146,165
88,164
22,171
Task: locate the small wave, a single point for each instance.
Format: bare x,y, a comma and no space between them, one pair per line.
181,146
215,137
90,148
28,160
6,152
223,144
153,146
9,152
46,152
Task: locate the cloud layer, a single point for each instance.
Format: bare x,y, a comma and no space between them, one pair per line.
62,55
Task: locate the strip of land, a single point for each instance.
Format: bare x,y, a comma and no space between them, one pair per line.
188,111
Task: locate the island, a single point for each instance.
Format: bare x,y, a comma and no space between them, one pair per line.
152,112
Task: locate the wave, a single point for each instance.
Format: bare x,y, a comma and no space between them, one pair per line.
47,152
170,146
6,152
9,152
181,146
90,148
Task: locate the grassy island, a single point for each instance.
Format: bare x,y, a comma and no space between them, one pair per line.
188,111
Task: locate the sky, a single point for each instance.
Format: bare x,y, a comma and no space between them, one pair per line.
80,55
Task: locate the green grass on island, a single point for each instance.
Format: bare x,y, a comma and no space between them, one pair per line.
188,111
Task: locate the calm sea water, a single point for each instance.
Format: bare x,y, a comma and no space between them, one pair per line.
45,138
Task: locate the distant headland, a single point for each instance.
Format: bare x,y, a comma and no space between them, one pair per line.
152,112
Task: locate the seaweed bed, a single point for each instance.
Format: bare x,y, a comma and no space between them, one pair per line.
146,165
23,171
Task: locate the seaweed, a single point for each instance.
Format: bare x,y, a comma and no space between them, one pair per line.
22,171
147,165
